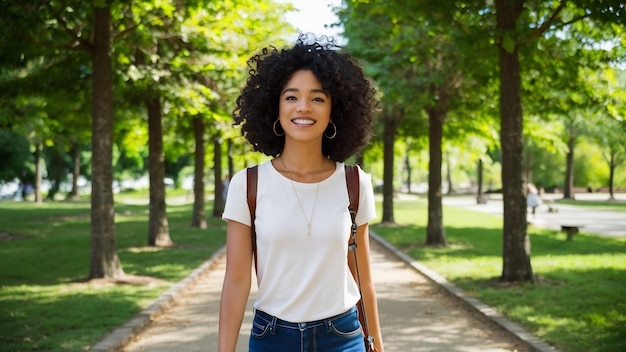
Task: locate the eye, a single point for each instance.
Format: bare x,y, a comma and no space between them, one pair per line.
290,97
319,99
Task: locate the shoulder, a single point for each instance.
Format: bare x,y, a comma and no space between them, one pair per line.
239,177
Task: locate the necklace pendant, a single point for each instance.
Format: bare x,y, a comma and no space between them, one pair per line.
308,219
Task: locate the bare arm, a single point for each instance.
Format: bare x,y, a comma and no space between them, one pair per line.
367,286
236,288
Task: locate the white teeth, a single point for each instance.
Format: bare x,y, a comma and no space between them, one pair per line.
303,121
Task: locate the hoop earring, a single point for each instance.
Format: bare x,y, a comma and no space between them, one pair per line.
335,132
274,128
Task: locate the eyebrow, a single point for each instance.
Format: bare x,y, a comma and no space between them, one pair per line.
297,90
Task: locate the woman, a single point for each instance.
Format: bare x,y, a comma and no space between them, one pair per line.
310,107
533,198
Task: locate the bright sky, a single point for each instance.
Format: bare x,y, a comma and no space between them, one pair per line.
313,15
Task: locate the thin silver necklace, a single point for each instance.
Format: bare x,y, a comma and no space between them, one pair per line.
293,187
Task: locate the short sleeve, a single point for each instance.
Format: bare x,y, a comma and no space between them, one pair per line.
367,207
236,207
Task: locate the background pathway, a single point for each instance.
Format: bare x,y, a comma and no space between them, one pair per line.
592,220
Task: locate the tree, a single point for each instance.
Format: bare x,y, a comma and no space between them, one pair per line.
47,102
424,77
511,37
216,60
518,29
158,227
146,53
105,262
40,31
198,218
612,134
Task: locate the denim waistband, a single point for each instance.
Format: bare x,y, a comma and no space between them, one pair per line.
286,324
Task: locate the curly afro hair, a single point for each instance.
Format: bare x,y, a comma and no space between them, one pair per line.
353,96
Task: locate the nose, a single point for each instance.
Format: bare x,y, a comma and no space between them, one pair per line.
303,105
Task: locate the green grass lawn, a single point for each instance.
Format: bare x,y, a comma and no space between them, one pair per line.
45,302
579,300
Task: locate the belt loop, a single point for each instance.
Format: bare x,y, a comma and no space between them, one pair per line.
329,324
273,327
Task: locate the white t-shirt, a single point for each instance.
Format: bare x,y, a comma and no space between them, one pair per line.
301,277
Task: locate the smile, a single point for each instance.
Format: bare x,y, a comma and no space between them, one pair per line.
303,121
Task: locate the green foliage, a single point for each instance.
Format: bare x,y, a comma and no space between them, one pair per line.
447,69
194,58
191,53
546,165
590,169
15,156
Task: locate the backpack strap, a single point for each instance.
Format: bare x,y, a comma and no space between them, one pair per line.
352,181
251,185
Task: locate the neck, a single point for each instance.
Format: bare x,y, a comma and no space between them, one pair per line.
304,167
303,156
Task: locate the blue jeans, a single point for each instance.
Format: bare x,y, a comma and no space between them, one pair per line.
341,333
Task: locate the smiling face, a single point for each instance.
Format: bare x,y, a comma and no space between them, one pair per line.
304,107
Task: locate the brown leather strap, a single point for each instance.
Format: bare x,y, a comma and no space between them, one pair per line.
251,184
352,180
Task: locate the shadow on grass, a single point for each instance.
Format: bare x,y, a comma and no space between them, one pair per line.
54,244
28,211
81,313
468,242
563,306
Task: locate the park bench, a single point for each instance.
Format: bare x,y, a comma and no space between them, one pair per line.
570,230
550,204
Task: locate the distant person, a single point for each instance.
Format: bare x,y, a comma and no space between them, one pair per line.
225,184
310,107
533,199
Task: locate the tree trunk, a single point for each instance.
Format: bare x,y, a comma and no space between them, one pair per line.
568,192
528,164
391,121
449,174
480,198
407,165
435,232
56,170
158,227
218,199
198,219
231,162
612,166
75,171
104,260
516,244
38,174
